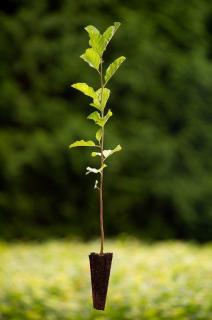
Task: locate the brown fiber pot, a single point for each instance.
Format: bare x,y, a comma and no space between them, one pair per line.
100,265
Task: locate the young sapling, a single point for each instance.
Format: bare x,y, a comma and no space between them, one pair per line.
100,264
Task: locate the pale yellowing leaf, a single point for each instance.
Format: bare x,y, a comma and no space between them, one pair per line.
108,153
96,184
94,170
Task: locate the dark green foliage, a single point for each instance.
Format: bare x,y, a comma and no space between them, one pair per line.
160,186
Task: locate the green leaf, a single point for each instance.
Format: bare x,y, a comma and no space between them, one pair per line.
95,38
102,98
93,33
108,34
99,135
82,143
92,58
99,42
113,67
108,153
95,105
108,115
86,89
95,116
100,121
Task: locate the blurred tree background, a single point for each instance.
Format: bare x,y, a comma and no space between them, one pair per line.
160,185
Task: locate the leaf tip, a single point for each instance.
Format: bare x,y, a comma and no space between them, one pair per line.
119,147
74,85
117,24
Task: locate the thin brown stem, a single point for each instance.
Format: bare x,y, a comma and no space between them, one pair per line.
101,173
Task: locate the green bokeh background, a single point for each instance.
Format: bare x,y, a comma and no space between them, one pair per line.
160,186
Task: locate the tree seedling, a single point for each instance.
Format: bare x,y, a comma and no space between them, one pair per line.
100,264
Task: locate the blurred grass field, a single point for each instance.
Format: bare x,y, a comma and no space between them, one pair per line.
51,281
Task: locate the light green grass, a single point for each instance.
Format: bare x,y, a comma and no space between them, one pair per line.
51,281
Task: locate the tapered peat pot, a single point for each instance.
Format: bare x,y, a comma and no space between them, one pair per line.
100,265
